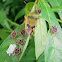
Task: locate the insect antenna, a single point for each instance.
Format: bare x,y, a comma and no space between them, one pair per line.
25,2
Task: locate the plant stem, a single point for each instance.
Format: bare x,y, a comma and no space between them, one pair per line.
59,21
13,23
26,44
6,30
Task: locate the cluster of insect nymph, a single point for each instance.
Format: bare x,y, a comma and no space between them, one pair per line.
12,47
29,29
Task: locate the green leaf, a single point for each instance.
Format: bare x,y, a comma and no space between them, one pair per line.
56,8
48,14
3,20
6,43
20,14
53,51
55,3
3,34
28,7
40,37
41,58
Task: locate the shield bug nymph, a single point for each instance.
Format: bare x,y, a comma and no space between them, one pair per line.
13,34
30,23
54,29
39,11
21,41
23,32
17,51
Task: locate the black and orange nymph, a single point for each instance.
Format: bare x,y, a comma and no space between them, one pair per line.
17,51
21,41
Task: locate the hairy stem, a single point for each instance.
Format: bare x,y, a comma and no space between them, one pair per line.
26,44
13,23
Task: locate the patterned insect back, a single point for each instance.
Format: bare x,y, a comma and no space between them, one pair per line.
21,41
23,32
54,29
13,34
38,11
17,51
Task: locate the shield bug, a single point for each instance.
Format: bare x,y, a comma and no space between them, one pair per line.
13,34
23,32
38,11
30,23
21,41
54,29
31,18
17,51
